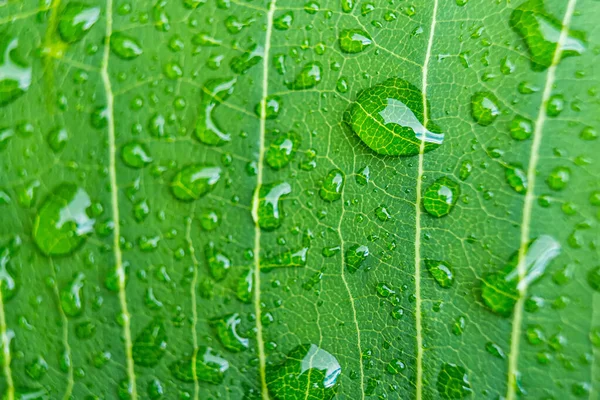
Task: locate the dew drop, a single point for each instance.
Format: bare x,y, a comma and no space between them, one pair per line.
150,345
15,74
333,184
453,382
226,328
124,46
218,262
135,155
593,278
272,107
363,176
76,20
284,21
441,196
466,168
62,222
71,297
484,108
558,178
270,210
9,284
195,181
521,128
441,271
516,177
210,367
208,130
282,150
308,77
354,41
242,63
388,119
355,257
57,139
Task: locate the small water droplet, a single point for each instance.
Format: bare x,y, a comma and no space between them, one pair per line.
210,367
559,178
218,262
355,257
135,155
282,150
516,177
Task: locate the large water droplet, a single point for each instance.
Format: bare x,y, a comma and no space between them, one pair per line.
226,327
453,382
270,210
150,345
333,184
484,108
501,290
62,222
210,367
15,74
214,92
388,118
541,32
308,372
76,20
354,41
441,196
195,181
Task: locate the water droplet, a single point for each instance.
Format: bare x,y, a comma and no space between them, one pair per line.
208,131
363,176
558,178
291,258
15,74
209,219
150,345
521,128
484,108
516,177
355,257
465,170
282,150
217,261
284,21
244,286
226,327
37,368
395,366
71,297
441,196
501,290
76,20
495,350
162,22
124,46
388,118
135,155
156,390
441,271
354,41
347,5
210,367
272,107
555,105
453,382
242,63
85,330
8,282
62,223
307,372
308,77
57,139
541,32
333,184
459,326
270,210
382,213
593,278
195,181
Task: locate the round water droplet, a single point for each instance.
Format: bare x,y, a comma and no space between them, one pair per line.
195,181
332,187
210,367
466,168
57,139
441,196
388,118
355,257
382,213
307,372
555,105
516,177
559,178
76,20
208,130
62,222
209,219
135,155
354,41
124,46
308,77
150,345
284,21
226,327
270,210
15,74
441,271
281,152
484,108
521,128
453,382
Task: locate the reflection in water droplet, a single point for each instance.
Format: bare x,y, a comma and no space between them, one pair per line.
210,367
354,41
226,327
332,187
388,118
308,77
62,223
195,181
307,372
484,108
270,210
214,92
292,258
284,21
150,345
441,196
76,20
15,74
541,32
501,290
453,382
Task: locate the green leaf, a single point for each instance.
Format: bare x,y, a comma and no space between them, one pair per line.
299,199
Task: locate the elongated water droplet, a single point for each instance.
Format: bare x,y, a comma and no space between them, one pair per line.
210,367
76,20
388,118
541,32
124,46
195,181
354,41
501,290
71,297
292,258
441,271
226,327
62,222
332,187
270,210
217,261
307,372
150,345
214,92
9,284
245,286
242,63
441,196
516,177
15,74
